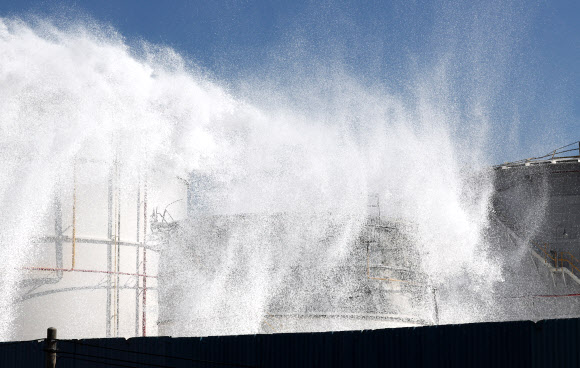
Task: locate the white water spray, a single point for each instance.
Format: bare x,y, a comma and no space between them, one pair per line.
65,93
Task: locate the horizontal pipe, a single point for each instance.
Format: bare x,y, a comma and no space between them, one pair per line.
351,316
70,289
89,271
36,282
394,280
555,296
50,239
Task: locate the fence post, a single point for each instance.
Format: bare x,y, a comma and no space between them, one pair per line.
50,347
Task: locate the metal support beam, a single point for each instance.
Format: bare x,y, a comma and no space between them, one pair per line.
68,239
58,234
118,260
144,321
109,251
137,260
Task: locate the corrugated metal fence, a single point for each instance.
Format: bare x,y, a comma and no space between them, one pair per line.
551,343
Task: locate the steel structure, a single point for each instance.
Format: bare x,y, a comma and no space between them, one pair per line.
535,235
378,284
113,243
538,201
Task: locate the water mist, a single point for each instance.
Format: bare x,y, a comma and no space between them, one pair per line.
298,175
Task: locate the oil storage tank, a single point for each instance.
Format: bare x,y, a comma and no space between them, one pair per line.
236,273
535,234
539,201
92,268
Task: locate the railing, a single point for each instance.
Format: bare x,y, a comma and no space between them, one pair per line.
558,260
572,263
565,152
546,253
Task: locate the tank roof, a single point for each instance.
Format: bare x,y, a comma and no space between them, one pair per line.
564,154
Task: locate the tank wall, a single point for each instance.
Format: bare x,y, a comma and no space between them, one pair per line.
76,301
541,204
258,273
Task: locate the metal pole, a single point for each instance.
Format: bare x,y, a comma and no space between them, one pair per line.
137,259
144,322
74,215
118,262
50,347
58,234
109,251
189,205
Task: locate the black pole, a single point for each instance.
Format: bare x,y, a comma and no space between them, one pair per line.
50,347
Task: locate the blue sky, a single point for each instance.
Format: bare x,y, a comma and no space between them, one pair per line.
526,53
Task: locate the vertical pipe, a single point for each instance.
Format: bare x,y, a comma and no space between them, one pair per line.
109,250
115,245
118,256
189,205
74,216
58,234
115,280
368,266
137,259
144,321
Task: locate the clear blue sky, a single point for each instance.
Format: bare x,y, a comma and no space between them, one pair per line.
527,51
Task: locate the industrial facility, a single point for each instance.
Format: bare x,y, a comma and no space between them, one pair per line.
535,233
133,264
92,253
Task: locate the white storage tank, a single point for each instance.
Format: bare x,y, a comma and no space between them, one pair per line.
93,271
